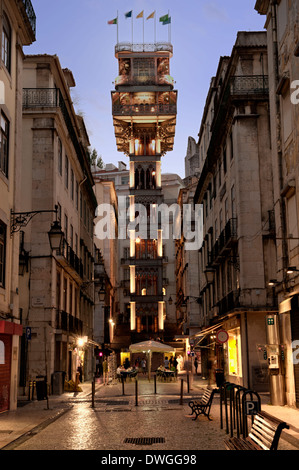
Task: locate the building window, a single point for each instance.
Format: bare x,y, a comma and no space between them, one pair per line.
66,223
4,145
59,157
58,289
2,253
224,161
72,185
66,176
59,212
77,195
6,43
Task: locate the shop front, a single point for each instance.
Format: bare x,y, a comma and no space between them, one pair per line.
9,349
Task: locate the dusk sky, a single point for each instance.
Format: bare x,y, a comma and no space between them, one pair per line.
201,31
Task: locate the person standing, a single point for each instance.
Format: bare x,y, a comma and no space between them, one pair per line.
143,366
105,371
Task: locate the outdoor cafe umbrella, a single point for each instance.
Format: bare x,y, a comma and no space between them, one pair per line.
149,347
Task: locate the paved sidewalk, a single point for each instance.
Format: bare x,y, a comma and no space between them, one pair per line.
32,417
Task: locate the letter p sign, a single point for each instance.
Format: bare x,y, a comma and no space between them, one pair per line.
251,407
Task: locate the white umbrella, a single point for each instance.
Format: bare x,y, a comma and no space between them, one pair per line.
149,347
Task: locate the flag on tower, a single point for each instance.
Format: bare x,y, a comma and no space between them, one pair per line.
129,14
168,21
165,19
113,21
152,15
140,14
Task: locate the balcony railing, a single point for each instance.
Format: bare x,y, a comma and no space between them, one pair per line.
143,109
144,80
69,323
229,302
227,237
251,84
37,98
157,47
70,257
30,14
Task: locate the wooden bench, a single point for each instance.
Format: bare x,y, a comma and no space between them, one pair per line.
203,406
264,434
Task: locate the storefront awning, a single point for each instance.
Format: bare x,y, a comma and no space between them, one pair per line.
207,330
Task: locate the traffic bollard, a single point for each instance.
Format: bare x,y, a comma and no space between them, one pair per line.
155,383
182,391
136,392
123,384
93,385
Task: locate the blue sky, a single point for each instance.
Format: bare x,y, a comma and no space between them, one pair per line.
201,32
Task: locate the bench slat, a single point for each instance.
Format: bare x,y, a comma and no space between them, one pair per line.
264,434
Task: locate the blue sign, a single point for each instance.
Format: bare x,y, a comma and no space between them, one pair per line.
28,333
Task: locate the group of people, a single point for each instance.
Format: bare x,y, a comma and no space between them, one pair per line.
171,364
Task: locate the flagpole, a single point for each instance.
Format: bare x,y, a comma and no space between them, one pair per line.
155,27
168,29
143,29
132,28
117,26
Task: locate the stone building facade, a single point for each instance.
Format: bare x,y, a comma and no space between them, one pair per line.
235,187
18,26
57,292
282,26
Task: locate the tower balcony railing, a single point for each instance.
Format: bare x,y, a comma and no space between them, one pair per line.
250,84
144,80
143,109
161,46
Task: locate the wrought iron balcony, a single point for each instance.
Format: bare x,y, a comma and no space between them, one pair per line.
223,244
30,14
229,302
250,84
143,109
69,323
69,259
36,98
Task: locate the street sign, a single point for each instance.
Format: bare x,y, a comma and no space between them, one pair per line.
28,333
270,321
251,407
222,336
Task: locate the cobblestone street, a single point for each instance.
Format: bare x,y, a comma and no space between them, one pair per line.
115,418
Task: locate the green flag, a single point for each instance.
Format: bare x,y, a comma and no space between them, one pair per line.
164,18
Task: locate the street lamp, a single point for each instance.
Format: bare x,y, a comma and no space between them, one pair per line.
55,235
102,293
292,269
209,274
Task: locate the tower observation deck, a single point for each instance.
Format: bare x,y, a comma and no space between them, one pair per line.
144,108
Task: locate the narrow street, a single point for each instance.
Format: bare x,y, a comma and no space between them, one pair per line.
115,418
